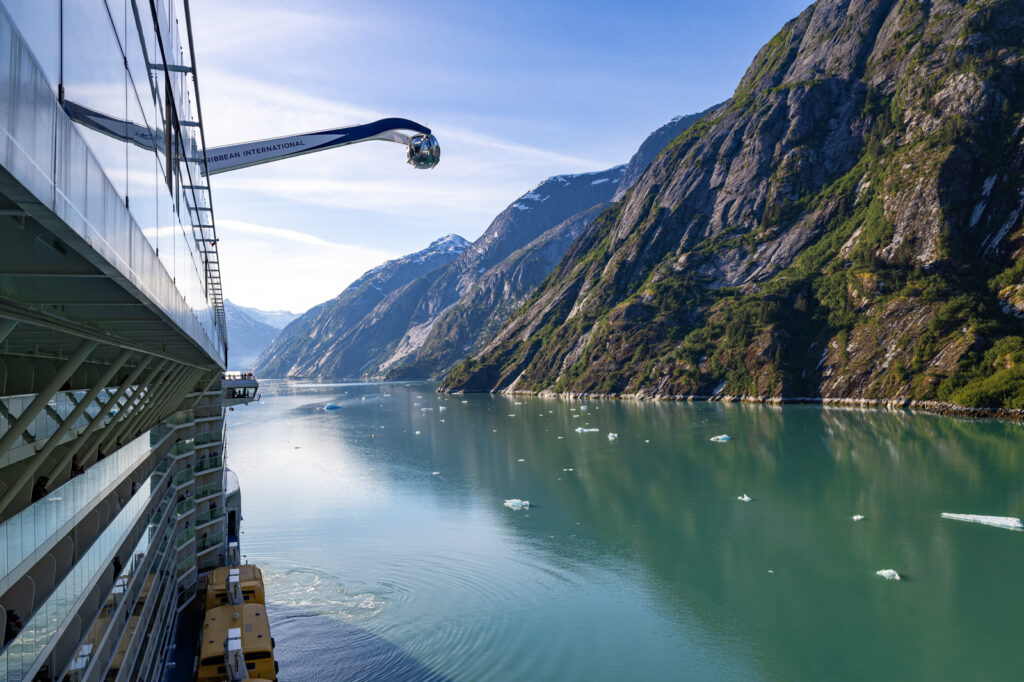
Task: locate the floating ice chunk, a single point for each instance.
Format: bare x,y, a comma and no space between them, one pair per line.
569,469
517,504
424,409
517,403
580,429
442,421
561,438
584,408
332,406
858,517
1008,522
363,398
648,440
888,574
417,433
465,402
435,473
720,439
612,436
520,460
442,408
744,498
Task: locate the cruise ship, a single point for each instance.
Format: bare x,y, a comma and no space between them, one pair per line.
116,500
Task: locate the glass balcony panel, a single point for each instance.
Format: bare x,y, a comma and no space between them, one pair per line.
30,528
44,624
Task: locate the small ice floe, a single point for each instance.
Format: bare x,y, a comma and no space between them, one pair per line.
1008,522
858,517
442,408
435,473
561,438
612,436
417,433
424,409
648,440
771,571
363,398
442,421
720,439
332,406
888,574
511,415
580,429
569,469
465,402
520,460
744,498
584,408
517,504
517,403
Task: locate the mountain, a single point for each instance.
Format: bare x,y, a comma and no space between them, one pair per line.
652,146
278,319
309,346
248,335
847,227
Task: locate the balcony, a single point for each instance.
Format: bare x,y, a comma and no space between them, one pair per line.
208,491
208,463
24,533
210,542
240,388
209,516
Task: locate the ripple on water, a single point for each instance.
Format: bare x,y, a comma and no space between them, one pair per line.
377,633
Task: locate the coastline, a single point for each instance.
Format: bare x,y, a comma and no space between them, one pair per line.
929,406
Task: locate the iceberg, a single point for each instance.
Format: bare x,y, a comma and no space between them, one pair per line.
517,504
332,406
580,429
1008,522
720,439
744,498
612,436
888,574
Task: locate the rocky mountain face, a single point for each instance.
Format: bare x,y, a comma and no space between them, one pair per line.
312,345
278,319
847,226
248,336
652,146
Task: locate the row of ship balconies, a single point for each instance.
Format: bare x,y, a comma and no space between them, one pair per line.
174,486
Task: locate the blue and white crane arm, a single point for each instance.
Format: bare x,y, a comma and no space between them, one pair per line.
422,149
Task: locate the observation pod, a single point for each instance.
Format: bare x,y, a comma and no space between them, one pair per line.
424,151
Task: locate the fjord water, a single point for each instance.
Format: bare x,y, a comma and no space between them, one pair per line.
388,553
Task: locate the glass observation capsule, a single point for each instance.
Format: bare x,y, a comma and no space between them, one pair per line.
424,151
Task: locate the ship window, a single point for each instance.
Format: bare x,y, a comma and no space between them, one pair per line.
257,655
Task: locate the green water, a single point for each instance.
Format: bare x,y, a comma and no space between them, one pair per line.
640,563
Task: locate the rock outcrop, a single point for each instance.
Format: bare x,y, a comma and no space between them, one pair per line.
848,226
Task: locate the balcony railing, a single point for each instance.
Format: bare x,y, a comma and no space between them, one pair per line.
209,463
182,417
49,618
204,439
183,447
209,516
209,542
23,533
184,537
208,490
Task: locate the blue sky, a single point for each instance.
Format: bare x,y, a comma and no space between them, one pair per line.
515,92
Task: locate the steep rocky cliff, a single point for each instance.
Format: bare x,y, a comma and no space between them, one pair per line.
848,225
305,346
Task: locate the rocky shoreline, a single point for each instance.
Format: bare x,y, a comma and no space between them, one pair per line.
931,406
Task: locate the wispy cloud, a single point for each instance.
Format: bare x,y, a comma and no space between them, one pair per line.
276,268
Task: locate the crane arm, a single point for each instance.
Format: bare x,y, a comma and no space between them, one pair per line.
234,156
423,149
